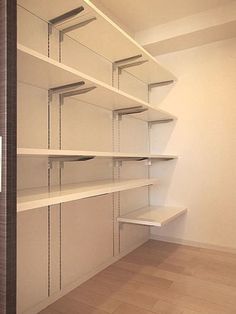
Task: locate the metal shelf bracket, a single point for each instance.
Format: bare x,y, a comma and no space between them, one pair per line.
159,84
130,158
68,90
127,63
76,92
78,25
130,65
63,159
64,88
66,16
127,111
151,123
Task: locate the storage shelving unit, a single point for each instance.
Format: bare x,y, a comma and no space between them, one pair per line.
58,85
43,72
117,46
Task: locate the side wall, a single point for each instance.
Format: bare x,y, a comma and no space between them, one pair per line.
204,137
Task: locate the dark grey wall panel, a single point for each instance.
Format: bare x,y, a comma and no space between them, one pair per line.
8,133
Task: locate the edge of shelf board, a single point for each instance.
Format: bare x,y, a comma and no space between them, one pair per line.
40,197
41,152
156,216
151,109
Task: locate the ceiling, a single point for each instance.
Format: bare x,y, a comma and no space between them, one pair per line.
138,15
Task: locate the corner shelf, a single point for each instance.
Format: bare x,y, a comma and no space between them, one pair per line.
54,153
39,197
43,72
156,216
116,45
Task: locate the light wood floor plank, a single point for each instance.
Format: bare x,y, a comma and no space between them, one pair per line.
131,309
161,278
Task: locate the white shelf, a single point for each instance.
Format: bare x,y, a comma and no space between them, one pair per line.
102,36
156,216
43,72
40,197
39,152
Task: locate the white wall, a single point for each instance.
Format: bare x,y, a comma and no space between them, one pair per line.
204,177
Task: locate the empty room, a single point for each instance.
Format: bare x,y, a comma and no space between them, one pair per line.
118,157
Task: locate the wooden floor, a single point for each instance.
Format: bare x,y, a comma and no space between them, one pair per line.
161,278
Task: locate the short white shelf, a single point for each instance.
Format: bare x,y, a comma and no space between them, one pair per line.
156,216
39,197
43,72
40,152
102,35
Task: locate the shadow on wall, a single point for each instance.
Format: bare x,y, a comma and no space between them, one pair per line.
158,94
160,136
163,171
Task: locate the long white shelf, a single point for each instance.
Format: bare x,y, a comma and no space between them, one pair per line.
39,197
156,216
102,35
43,72
40,152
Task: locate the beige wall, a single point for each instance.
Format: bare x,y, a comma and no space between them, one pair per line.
204,177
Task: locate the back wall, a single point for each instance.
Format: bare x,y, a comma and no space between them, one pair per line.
204,137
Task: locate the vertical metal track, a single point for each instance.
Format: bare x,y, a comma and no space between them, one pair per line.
49,251
118,79
60,182
115,173
60,46
149,167
149,150
49,178
118,176
113,178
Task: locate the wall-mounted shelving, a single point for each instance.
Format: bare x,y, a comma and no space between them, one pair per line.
39,197
91,27
155,216
43,72
58,108
34,152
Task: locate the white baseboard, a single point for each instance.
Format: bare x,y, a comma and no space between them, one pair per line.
42,305
193,243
